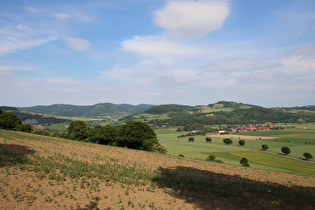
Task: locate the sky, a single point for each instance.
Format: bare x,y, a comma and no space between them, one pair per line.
190,52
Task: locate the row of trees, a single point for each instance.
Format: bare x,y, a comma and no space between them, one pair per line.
133,134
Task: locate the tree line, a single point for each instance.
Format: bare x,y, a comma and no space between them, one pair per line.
133,134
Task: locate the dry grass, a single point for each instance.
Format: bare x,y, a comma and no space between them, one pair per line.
51,173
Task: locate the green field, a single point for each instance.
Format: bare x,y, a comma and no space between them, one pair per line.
298,140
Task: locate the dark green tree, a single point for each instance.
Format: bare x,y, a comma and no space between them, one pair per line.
308,156
136,135
241,142
286,150
191,139
78,130
1,111
102,134
264,147
208,139
244,162
227,141
26,128
8,120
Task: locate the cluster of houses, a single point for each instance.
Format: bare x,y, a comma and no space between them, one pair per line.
252,128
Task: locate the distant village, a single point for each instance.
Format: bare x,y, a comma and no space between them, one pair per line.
253,128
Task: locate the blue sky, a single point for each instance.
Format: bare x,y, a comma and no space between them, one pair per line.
191,52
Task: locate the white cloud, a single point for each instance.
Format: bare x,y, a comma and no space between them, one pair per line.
12,40
161,50
77,44
62,16
185,19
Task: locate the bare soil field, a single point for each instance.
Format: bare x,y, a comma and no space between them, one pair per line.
39,172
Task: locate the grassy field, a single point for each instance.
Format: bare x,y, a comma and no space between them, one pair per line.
299,141
38,172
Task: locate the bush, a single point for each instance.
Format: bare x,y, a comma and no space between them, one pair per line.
264,147
26,128
244,162
241,142
227,141
286,150
149,144
181,155
308,156
211,158
208,139
191,139
159,148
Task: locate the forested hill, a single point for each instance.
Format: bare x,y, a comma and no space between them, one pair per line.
101,110
169,108
223,112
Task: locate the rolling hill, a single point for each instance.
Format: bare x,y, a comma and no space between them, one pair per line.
102,110
223,112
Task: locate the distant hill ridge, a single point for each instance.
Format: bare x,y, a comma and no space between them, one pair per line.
101,110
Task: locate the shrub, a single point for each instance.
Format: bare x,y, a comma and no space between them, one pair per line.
227,141
308,156
241,142
181,155
264,147
286,150
191,139
244,162
208,139
211,158
26,128
160,148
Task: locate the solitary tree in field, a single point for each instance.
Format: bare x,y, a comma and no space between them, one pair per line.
286,150
191,139
244,162
208,139
308,156
211,158
264,147
241,142
227,141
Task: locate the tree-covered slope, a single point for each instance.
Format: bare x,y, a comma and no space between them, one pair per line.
97,110
169,108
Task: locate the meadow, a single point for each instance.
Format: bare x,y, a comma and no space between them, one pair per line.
51,173
298,140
